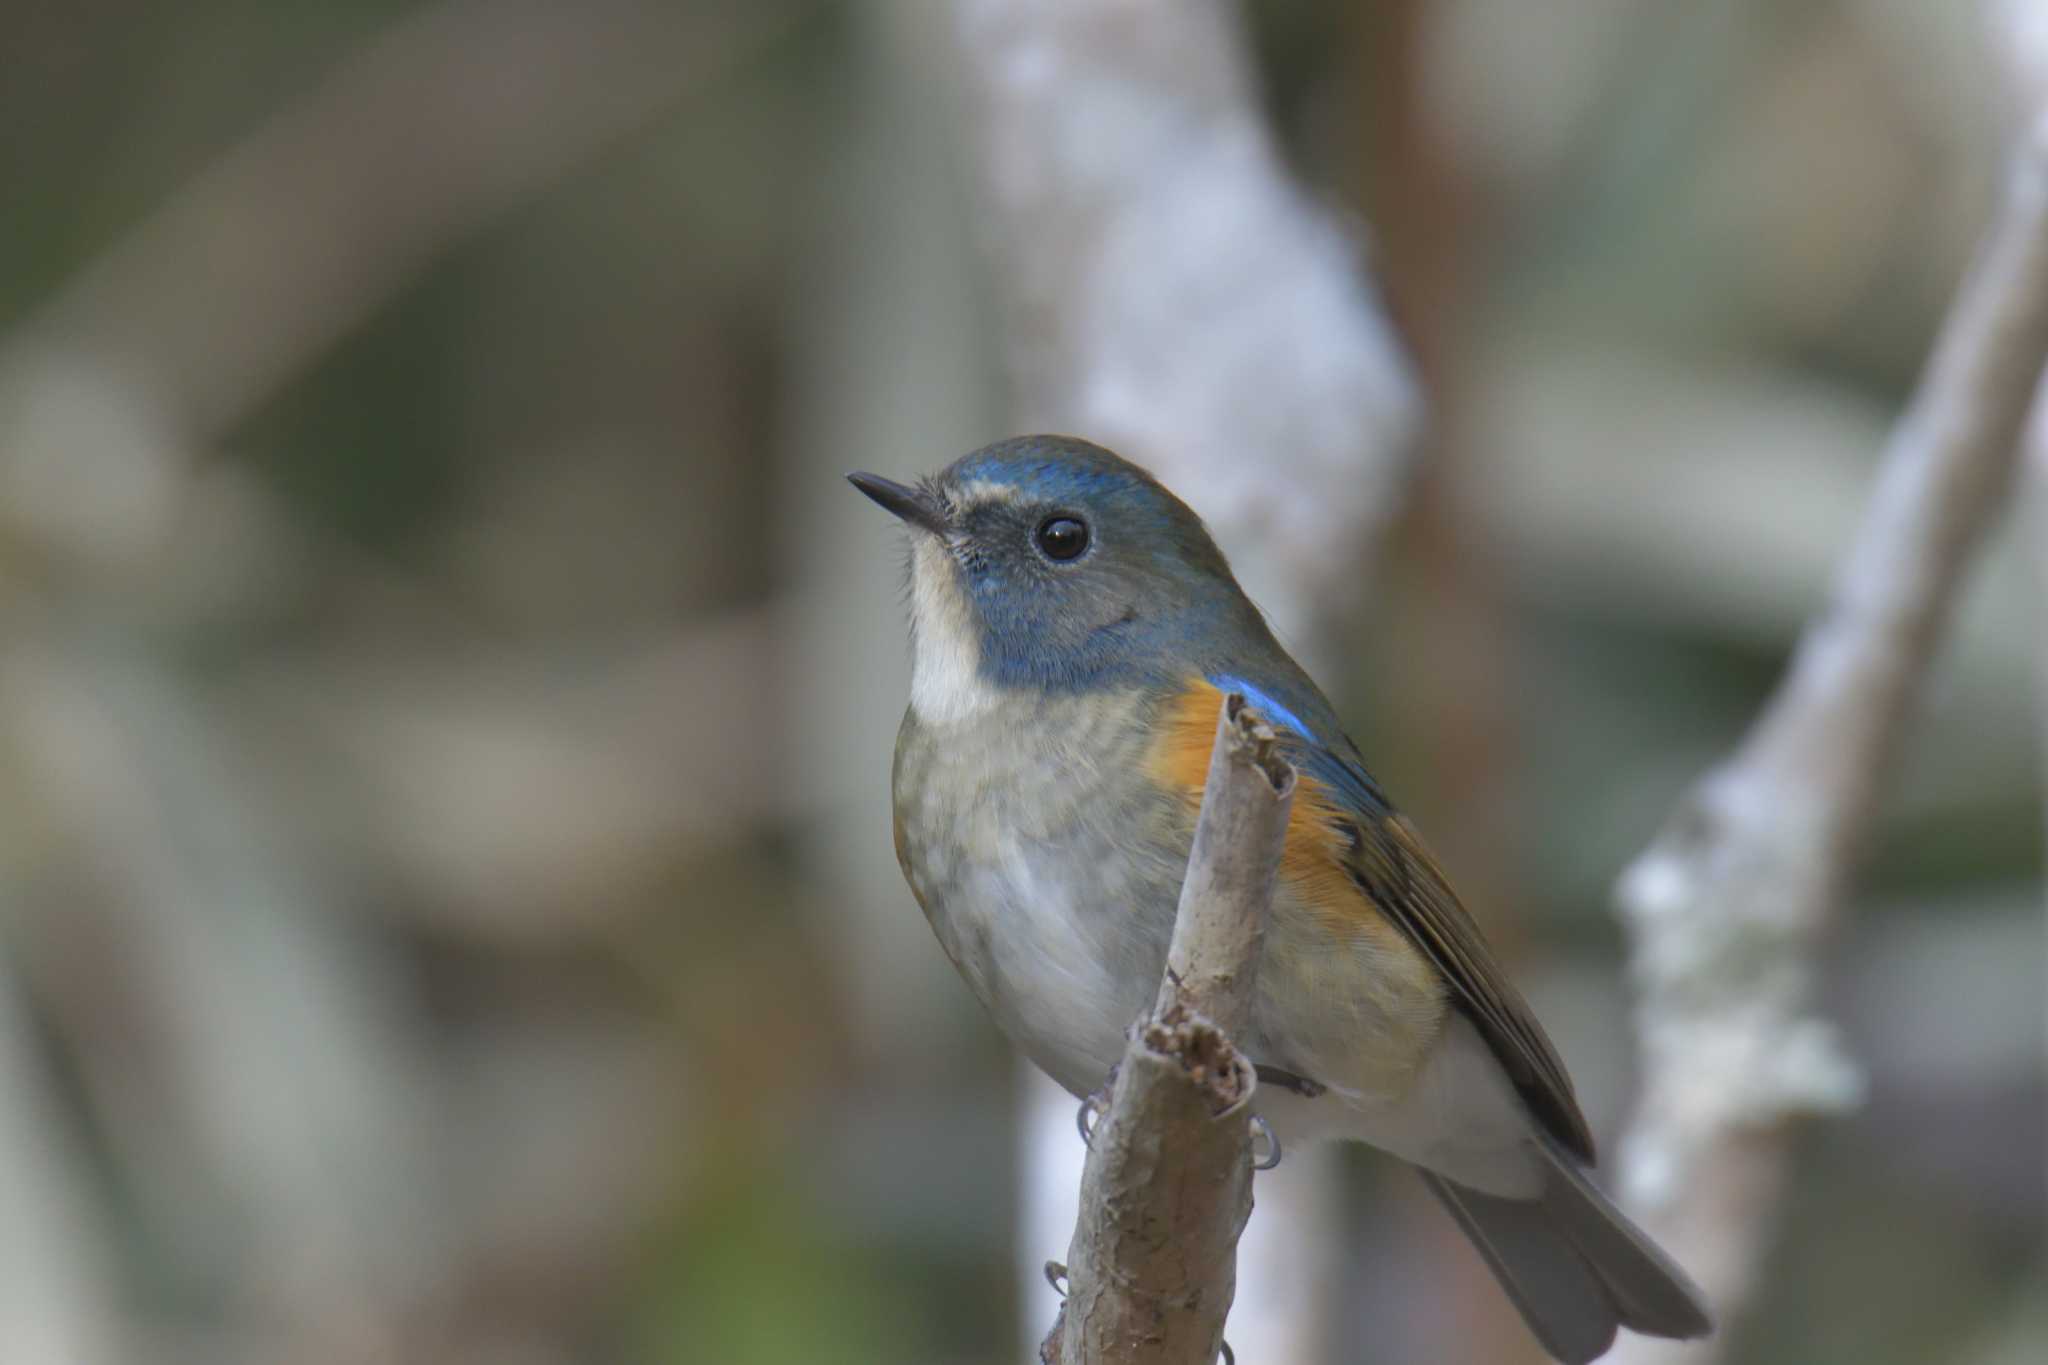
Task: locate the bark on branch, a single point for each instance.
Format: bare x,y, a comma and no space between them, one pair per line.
1725,909
1168,1184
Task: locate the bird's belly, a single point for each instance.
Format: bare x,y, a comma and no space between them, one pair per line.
1063,948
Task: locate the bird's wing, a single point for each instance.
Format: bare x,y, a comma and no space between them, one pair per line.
1383,857
1386,858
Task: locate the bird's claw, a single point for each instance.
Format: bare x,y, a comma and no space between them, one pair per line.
1260,1128
1091,1109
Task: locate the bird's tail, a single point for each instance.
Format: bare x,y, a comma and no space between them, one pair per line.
1574,1264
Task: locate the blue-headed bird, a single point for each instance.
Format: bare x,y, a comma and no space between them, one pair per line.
1074,631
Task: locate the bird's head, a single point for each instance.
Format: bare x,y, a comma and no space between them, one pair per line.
1046,563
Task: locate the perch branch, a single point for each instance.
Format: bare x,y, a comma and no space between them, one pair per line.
1220,926
1725,909
1168,1184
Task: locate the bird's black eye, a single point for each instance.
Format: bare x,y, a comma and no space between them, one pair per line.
1062,537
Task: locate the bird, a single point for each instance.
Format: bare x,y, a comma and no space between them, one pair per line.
1073,632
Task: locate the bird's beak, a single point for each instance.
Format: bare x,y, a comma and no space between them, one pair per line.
913,505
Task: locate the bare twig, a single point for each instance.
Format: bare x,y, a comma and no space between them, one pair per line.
1167,1187
1725,908
1220,927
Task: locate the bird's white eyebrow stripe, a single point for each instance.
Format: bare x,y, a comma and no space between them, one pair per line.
984,493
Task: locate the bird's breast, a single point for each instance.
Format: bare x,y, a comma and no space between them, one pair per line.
1049,863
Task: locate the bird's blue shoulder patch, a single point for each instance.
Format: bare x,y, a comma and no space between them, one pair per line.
1266,704
1322,751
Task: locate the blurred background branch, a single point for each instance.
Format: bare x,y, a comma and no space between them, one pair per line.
1728,907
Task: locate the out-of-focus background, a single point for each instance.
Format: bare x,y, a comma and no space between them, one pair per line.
446,902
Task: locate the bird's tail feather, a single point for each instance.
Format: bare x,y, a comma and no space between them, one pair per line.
1574,1265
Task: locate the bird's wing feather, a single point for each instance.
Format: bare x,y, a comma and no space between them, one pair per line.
1387,859
1383,857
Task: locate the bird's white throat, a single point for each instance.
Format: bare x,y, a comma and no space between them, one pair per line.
946,686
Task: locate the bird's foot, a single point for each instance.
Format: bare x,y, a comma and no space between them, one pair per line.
1262,1129
1092,1107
